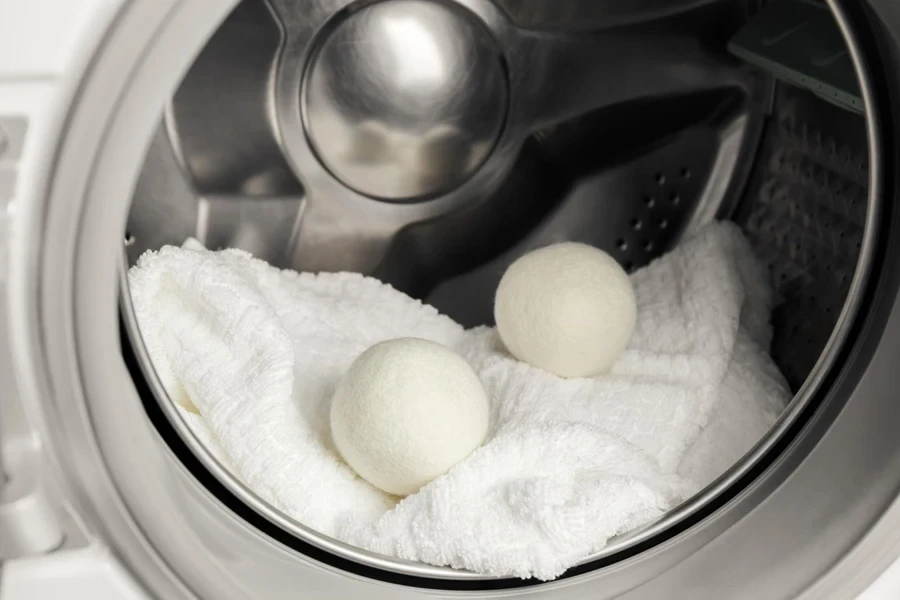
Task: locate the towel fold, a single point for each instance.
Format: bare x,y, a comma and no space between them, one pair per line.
251,355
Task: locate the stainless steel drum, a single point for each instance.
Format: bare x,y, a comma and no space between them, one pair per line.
430,143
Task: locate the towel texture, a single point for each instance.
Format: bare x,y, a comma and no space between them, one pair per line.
251,354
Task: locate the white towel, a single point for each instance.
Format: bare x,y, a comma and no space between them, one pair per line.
252,354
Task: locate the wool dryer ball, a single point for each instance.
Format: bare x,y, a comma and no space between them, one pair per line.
406,412
568,309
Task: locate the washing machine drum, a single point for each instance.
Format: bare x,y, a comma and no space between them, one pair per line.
429,144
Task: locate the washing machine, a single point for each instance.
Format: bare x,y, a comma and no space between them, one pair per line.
265,125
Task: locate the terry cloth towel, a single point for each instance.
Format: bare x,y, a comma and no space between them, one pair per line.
251,354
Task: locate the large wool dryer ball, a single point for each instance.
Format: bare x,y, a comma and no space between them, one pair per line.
568,309
406,412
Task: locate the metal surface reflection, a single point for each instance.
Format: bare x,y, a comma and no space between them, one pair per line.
405,99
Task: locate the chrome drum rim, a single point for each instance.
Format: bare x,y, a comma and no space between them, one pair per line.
32,249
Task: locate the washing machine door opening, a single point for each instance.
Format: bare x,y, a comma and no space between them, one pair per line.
800,176
245,156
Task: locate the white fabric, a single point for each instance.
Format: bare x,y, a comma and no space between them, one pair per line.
567,464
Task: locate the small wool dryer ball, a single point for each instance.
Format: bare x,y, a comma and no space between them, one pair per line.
406,412
568,309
